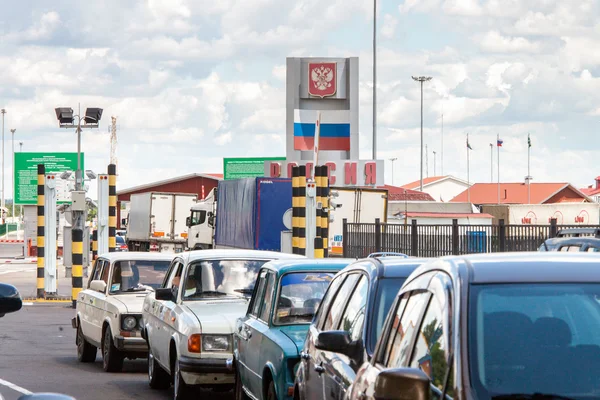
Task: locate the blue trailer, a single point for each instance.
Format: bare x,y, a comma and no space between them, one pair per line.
249,213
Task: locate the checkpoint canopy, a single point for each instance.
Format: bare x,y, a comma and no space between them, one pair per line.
247,167
25,175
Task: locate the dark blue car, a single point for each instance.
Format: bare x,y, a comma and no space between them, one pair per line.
348,323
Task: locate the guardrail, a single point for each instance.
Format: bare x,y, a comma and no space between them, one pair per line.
362,239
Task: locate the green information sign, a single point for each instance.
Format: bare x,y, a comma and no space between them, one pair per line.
235,168
25,178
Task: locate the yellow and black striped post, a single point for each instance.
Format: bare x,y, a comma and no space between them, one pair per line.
325,210
295,209
112,207
41,230
318,199
301,202
94,244
77,261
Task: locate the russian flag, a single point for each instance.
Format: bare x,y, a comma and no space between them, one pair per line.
334,132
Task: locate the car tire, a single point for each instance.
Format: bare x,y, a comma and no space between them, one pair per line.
157,376
181,390
239,391
271,395
86,353
112,359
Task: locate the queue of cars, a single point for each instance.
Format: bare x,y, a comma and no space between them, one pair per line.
278,326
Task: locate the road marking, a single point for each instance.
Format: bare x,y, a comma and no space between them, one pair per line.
14,387
27,304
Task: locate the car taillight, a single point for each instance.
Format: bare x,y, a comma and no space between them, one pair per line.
195,343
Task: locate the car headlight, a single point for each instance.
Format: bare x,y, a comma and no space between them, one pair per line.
215,342
129,323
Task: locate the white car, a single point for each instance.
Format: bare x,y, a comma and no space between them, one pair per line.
109,309
189,321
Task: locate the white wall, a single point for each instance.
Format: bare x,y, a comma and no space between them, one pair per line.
565,213
443,221
445,190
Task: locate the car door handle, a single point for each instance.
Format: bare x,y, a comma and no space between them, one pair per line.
304,356
319,369
248,333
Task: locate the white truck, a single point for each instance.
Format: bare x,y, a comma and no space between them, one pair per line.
201,223
157,221
356,205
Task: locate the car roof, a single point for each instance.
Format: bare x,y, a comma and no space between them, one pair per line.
519,267
314,264
578,231
575,240
195,255
137,255
387,267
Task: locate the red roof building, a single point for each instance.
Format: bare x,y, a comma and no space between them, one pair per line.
593,191
516,193
440,188
396,193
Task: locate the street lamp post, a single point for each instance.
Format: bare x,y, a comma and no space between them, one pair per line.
3,111
21,150
13,162
66,119
434,157
392,160
421,79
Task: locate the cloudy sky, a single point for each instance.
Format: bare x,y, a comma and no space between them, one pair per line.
192,81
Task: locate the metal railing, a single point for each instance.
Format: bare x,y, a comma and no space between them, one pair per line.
362,239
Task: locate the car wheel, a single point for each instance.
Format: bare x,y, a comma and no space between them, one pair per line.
271,391
157,376
86,352
112,359
181,390
239,391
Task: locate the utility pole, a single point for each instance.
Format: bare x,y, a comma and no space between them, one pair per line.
392,160
426,162
434,157
374,79
20,151
13,162
421,79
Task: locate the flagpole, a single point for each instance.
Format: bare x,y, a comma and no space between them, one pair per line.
528,170
491,163
497,145
442,161
468,174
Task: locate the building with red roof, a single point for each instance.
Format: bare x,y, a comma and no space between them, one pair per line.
517,193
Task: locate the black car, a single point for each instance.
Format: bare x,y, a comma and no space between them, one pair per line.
571,244
494,326
345,329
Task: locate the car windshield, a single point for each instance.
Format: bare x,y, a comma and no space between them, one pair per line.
138,276
299,296
120,239
217,278
387,291
535,338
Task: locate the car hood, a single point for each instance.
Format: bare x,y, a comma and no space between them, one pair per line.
133,302
218,316
296,333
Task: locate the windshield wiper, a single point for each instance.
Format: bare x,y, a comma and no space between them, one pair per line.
212,293
531,396
135,289
244,291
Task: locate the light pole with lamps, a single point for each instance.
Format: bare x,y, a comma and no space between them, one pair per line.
392,160
421,79
13,162
3,111
20,151
434,157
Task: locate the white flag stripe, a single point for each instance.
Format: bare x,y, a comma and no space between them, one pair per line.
327,116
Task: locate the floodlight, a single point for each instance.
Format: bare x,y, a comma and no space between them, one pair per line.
90,174
93,115
65,175
64,115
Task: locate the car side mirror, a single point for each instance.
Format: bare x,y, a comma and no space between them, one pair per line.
10,299
402,384
165,294
188,222
98,286
334,341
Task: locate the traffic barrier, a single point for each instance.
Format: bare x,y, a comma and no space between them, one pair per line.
95,244
301,202
77,267
41,223
295,209
112,207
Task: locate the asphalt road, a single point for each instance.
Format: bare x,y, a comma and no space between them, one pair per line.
38,354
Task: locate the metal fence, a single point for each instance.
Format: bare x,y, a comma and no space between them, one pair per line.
361,239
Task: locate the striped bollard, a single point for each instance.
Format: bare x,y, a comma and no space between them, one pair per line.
325,210
295,209
112,207
77,267
301,202
94,244
41,230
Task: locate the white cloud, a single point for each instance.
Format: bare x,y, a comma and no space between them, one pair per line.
389,26
223,139
494,42
279,72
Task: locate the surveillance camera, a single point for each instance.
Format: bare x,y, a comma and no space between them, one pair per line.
65,175
90,174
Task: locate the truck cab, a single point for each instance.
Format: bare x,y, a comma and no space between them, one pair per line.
201,223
